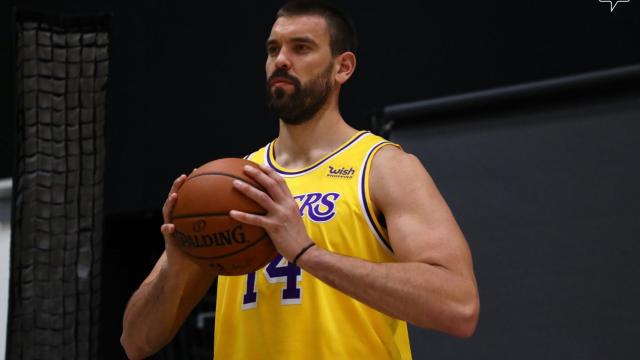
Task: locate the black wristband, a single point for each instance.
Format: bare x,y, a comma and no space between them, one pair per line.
304,250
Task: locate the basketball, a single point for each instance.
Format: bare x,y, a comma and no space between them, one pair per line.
205,231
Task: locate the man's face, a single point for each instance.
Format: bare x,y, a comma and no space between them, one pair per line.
300,67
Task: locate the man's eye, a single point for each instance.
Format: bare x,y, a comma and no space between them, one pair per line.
302,48
272,50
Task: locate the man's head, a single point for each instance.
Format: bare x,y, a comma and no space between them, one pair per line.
310,54
342,33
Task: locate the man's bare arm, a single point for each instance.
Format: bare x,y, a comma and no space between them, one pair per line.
159,307
166,297
432,285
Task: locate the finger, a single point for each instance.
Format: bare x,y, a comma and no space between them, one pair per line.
255,194
266,181
167,209
251,219
170,203
277,178
177,183
167,229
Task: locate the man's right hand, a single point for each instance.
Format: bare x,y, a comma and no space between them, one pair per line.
175,256
166,297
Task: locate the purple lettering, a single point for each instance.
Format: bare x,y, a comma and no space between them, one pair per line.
317,206
250,298
280,270
308,201
329,202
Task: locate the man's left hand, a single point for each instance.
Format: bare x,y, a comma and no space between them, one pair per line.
282,221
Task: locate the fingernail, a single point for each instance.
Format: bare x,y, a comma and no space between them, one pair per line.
249,168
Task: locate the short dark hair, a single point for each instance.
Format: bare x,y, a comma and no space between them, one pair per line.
342,32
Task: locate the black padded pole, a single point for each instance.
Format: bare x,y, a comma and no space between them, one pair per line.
61,73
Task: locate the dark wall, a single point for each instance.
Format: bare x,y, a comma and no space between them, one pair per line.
547,196
187,77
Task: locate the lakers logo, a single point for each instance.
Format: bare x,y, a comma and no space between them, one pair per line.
318,207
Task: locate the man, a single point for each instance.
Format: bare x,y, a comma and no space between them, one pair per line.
365,238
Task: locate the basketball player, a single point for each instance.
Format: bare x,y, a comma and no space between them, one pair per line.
366,241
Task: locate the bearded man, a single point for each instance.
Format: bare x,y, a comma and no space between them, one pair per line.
366,241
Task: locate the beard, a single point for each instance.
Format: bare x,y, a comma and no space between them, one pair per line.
305,101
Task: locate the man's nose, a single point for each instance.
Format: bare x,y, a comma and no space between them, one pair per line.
282,61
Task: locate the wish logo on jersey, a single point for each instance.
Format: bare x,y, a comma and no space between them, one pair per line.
318,207
342,172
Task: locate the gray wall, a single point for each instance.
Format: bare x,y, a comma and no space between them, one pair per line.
547,195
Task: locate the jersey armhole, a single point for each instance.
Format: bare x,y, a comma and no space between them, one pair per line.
373,216
248,157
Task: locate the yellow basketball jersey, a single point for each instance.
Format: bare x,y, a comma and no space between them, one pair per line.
283,312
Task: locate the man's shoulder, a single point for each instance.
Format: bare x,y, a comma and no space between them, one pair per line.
392,167
395,158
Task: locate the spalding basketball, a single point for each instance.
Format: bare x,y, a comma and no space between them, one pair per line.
204,229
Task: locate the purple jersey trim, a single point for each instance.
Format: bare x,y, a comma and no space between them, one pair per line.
312,167
364,195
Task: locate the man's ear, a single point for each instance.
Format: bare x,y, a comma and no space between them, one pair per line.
346,63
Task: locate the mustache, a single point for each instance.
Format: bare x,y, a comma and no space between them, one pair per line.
281,73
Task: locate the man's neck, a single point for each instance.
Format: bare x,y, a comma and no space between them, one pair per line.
301,145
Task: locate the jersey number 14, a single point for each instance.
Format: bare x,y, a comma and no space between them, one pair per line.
278,271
